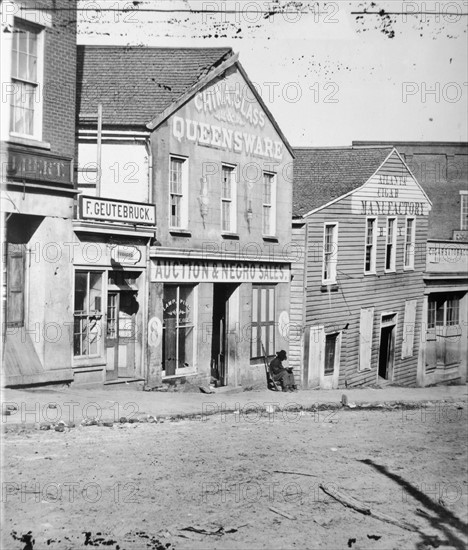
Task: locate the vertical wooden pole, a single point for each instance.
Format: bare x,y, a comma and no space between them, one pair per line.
99,150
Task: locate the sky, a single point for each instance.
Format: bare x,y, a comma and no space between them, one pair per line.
330,72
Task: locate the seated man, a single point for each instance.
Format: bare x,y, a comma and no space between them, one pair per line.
281,374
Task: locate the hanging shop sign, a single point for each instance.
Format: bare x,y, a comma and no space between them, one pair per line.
169,270
96,208
125,254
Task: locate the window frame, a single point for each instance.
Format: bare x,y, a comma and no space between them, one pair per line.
36,84
271,206
463,210
232,200
334,255
393,244
193,368
88,314
373,250
183,214
447,304
258,324
411,243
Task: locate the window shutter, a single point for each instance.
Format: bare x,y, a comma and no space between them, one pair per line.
365,337
316,353
408,328
15,285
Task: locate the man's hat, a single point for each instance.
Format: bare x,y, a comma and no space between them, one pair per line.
281,354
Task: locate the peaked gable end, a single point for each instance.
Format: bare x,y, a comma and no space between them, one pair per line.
391,191
225,114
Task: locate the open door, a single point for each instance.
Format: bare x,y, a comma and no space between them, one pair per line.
122,307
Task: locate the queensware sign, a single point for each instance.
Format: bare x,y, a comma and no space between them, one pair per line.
94,208
217,272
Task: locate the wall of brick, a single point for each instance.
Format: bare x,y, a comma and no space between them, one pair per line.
59,84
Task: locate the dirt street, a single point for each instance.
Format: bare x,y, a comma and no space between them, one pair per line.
196,484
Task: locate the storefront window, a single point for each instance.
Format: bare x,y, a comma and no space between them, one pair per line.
263,321
443,310
87,313
178,329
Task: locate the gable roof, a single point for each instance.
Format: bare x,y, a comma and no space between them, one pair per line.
322,175
135,84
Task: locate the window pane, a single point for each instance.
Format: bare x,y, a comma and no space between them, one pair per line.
255,292
185,347
185,305
95,292
169,303
81,282
263,305
271,304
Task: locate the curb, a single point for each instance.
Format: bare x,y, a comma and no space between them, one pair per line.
384,406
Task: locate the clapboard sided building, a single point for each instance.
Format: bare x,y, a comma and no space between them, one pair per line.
360,219
442,170
218,171
38,74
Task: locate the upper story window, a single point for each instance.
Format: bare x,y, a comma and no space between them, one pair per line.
371,245
228,199
26,65
390,246
178,191
269,204
464,210
330,253
410,236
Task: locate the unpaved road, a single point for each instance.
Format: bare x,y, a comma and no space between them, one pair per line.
135,486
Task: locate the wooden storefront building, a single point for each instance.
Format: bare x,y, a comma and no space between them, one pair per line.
360,230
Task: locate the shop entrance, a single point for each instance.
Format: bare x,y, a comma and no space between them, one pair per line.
121,331
219,341
387,347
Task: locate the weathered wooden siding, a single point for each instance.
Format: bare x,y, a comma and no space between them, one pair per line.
297,305
386,292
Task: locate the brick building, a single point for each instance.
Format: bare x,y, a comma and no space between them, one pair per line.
217,168
360,230
38,43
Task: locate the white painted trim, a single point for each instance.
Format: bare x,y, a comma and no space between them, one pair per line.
233,201
413,243
185,193
334,263
373,269
392,268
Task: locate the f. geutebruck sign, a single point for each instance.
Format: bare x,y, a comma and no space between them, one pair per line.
96,208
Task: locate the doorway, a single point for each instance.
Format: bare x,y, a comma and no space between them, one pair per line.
122,307
220,331
386,351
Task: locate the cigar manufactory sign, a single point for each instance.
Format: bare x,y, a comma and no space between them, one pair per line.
95,208
226,116
390,195
175,270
